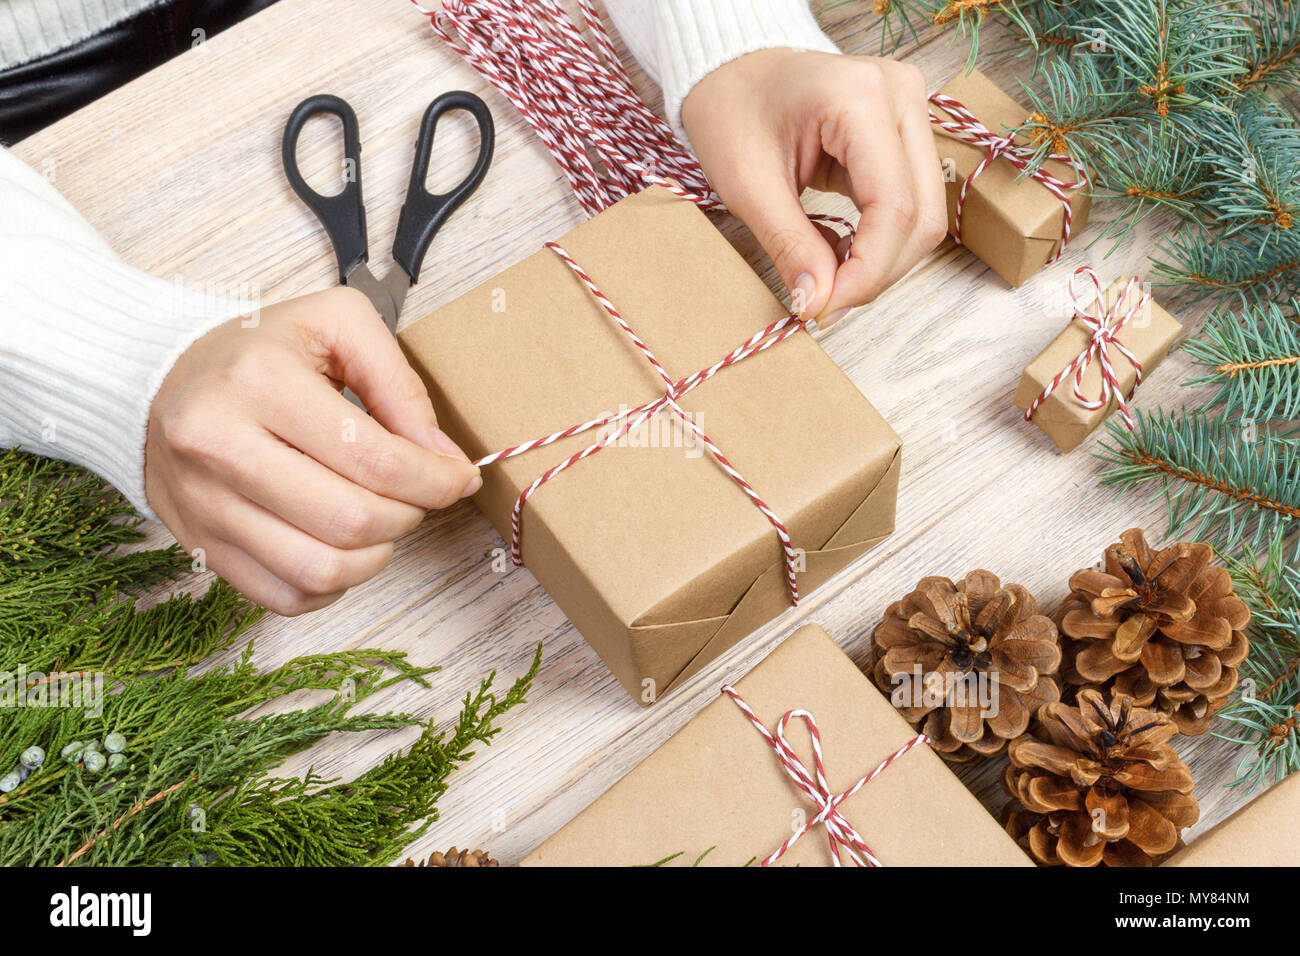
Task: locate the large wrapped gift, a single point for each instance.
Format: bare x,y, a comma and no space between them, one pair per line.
1264,833
1113,342
742,782
662,553
1013,221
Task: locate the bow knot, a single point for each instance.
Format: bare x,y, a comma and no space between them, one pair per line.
1106,325
839,832
1102,338
998,145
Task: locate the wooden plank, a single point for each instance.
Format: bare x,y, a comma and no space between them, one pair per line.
181,172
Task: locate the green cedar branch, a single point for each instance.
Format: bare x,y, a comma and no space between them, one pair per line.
200,747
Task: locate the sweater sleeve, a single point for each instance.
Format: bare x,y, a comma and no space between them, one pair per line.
679,42
85,340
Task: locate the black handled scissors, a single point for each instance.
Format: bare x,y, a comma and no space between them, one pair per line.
423,213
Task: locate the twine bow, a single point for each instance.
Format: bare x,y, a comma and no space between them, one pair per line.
1105,326
839,832
965,127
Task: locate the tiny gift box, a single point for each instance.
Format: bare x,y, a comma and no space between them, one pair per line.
719,785
660,555
1013,224
1263,833
1112,342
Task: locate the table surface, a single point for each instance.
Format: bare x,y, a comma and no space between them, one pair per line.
181,172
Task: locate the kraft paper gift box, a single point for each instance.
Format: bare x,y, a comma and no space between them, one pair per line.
660,560
1148,336
718,786
1012,224
1263,833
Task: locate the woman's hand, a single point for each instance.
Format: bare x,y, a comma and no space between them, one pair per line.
773,122
293,493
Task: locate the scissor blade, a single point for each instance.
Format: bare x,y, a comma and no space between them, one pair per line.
397,283
363,280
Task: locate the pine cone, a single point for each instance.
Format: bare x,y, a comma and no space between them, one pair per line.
1163,627
1097,782
454,857
967,663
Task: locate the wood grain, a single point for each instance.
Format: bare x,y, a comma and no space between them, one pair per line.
181,172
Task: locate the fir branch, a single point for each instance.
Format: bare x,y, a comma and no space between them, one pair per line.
1267,712
1050,29
1179,54
1078,110
1236,268
1159,61
968,16
899,19
1254,154
1218,485
1172,179
1253,359
1272,50
902,19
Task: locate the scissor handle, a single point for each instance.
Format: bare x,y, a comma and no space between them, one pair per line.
342,215
423,213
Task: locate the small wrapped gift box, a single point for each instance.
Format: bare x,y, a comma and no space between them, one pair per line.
720,789
1094,365
1263,833
661,553
1013,224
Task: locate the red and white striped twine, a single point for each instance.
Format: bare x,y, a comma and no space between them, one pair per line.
1105,326
839,832
578,99
965,127
632,418
576,95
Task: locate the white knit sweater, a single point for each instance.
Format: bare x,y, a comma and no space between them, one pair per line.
34,28
86,341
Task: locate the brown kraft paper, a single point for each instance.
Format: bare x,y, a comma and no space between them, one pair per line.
1263,833
654,553
1148,335
1012,224
718,784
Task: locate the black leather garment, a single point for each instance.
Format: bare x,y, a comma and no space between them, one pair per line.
35,94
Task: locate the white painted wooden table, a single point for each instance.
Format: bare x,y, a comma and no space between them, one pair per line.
181,171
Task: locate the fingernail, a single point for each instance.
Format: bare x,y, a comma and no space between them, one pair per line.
805,287
472,488
444,445
827,321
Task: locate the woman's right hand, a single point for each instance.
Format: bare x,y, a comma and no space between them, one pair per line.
261,468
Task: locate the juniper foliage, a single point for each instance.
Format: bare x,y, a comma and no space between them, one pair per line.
197,785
